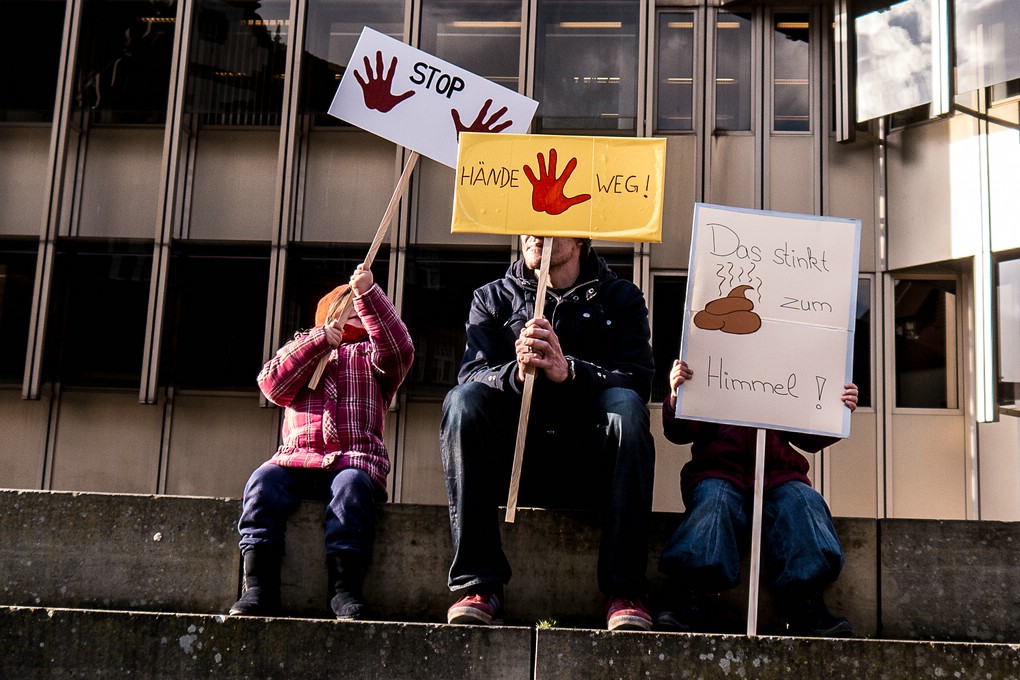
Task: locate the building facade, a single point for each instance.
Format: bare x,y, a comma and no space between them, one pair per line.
174,198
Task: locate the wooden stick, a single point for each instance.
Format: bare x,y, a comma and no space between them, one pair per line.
344,310
529,387
759,493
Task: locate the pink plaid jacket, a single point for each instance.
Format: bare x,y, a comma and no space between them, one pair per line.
339,424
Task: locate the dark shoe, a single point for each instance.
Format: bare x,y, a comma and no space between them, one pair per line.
260,589
624,613
478,609
809,617
682,613
346,578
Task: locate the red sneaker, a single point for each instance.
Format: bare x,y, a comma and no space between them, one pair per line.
477,609
627,614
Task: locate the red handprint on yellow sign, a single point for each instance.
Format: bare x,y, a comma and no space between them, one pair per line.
547,193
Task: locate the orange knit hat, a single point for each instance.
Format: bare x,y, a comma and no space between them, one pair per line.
330,303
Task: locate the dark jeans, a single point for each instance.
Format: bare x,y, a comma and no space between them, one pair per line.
601,457
273,492
799,544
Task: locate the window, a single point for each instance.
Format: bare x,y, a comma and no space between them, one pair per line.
313,271
894,56
675,80
100,296
791,91
862,343
1008,302
332,30
668,298
216,316
986,35
30,89
925,343
586,66
17,276
482,36
237,62
733,72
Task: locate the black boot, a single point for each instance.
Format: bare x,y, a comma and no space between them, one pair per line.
260,591
346,571
682,611
808,616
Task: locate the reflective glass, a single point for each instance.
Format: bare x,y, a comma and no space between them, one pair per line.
733,72
586,66
924,310
791,92
862,343
1009,334
237,61
332,30
482,36
667,328
30,88
675,81
987,35
894,59
124,54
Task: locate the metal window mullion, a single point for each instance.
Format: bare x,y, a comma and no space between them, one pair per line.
167,204
843,65
941,66
709,73
761,102
818,120
56,171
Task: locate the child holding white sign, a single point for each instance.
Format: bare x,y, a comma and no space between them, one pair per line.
801,551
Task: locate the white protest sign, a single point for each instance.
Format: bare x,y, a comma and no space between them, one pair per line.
420,101
769,319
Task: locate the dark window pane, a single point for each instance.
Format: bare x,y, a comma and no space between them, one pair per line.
924,311
791,102
862,343
32,55
1008,291
96,333
332,30
439,284
124,56
667,329
216,316
733,72
586,66
237,61
17,277
675,103
482,36
313,271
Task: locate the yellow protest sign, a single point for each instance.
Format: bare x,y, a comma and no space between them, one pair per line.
607,188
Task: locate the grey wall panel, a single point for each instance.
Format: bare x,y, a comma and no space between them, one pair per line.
792,173
677,204
853,484
120,183
420,477
999,469
926,466
669,459
106,441
934,193
348,183
23,426
733,173
851,192
235,185
434,214
216,442
24,158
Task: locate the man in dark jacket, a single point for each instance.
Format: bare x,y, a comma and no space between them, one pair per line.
800,550
588,443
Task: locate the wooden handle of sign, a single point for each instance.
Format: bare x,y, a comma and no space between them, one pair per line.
380,234
759,492
529,387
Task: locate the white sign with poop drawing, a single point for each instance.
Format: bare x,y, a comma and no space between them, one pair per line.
769,319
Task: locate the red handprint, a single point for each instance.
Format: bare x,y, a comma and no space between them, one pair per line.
547,192
376,88
481,125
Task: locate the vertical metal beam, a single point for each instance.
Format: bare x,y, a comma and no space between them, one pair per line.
170,181
941,65
844,69
986,373
762,51
54,198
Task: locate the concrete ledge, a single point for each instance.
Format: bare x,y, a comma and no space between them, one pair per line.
66,643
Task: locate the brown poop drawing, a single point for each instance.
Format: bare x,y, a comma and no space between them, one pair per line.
730,314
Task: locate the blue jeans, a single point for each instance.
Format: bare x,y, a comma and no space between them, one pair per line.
599,456
799,544
273,492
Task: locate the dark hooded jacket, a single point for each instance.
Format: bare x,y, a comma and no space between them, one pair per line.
601,322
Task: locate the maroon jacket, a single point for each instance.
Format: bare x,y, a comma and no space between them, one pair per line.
727,452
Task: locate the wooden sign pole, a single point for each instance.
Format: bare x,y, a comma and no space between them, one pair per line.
344,310
759,493
529,387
